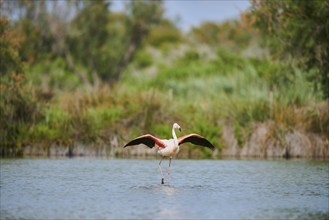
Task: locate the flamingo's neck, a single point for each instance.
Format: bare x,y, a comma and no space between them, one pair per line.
175,137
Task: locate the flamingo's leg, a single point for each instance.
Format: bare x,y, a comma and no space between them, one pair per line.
162,180
169,170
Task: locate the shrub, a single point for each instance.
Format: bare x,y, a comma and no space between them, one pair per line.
19,112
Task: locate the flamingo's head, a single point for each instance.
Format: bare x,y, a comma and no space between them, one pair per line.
176,126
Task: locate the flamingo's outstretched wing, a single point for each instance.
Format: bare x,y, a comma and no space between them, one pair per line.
148,140
195,139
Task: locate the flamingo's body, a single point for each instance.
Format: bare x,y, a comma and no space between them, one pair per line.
169,148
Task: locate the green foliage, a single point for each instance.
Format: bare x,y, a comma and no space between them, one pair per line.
9,53
18,106
89,39
167,78
189,56
142,16
143,59
245,114
234,34
19,111
32,28
53,75
164,33
297,30
94,44
318,119
161,130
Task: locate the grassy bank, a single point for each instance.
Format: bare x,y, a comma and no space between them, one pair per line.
201,89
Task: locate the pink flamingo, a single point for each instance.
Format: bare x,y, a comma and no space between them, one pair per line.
170,147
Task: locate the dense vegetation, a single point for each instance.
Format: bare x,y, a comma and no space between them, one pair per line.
80,73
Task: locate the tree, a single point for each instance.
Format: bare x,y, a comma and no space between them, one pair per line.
141,17
18,109
10,44
233,34
92,42
31,22
299,30
87,42
105,42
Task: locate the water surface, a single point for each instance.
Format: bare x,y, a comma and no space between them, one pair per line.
201,189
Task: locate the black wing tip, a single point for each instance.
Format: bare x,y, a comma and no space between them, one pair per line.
210,146
129,143
137,141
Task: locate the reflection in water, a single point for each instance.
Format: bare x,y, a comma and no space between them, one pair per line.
116,189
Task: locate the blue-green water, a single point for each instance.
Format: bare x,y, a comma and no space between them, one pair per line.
201,189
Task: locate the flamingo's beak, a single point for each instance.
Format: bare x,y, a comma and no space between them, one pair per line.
180,129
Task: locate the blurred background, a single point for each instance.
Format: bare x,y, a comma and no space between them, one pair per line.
81,78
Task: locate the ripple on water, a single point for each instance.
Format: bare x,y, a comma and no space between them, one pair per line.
130,189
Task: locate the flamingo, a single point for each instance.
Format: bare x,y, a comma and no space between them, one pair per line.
169,148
